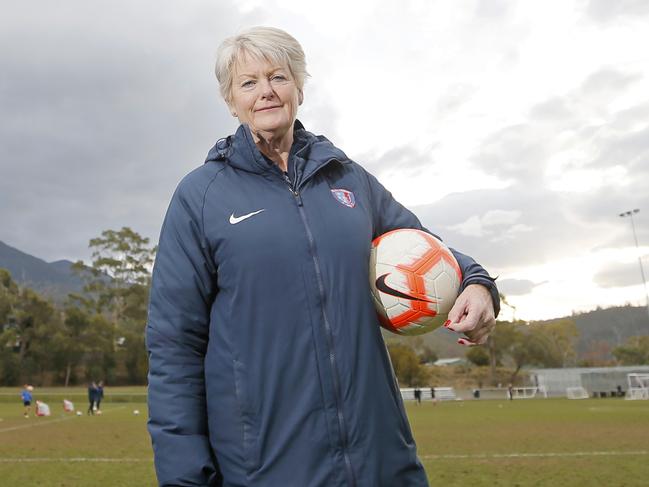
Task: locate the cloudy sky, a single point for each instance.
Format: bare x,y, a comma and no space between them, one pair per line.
516,130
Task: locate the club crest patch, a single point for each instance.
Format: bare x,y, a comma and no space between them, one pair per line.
344,197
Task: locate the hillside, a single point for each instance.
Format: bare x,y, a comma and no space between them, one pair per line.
53,279
604,329
600,330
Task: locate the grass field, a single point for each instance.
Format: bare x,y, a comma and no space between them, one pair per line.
541,442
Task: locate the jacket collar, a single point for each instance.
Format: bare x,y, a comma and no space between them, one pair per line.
241,152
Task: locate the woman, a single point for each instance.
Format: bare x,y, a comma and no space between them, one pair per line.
267,365
92,398
99,396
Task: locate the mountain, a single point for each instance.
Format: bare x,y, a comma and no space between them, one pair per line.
53,279
600,331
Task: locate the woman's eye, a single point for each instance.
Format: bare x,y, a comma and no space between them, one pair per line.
247,84
279,77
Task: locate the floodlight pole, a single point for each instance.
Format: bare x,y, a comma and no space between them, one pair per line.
630,214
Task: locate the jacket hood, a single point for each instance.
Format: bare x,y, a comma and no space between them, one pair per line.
240,151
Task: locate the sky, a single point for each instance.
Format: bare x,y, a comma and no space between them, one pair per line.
518,131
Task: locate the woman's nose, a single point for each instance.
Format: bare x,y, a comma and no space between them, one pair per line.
266,89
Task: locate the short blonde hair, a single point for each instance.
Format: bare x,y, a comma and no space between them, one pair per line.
269,43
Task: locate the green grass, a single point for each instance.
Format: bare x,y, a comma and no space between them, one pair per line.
541,442
551,442
71,442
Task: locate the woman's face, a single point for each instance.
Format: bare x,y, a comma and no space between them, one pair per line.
264,95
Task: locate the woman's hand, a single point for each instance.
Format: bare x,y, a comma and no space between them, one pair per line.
472,315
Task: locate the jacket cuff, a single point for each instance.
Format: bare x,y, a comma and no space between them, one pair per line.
488,282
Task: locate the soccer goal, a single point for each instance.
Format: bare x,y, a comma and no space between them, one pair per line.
528,392
638,386
517,393
576,393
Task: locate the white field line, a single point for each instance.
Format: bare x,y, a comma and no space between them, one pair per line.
535,455
51,421
76,459
425,457
79,393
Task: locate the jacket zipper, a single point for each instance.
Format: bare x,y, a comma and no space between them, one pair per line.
332,355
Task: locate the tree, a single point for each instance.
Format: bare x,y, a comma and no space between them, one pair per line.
425,353
27,324
117,288
500,343
557,339
634,352
9,366
84,339
478,356
406,364
120,273
539,344
597,354
8,296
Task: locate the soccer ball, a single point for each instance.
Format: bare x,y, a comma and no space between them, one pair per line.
136,412
78,413
414,279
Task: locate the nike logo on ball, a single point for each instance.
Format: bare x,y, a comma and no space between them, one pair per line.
236,219
382,286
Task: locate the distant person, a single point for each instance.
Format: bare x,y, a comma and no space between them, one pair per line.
99,396
92,397
418,395
510,391
432,395
27,398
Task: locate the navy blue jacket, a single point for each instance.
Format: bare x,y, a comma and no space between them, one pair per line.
267,364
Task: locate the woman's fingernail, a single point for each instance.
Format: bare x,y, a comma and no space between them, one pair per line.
464,342
446,323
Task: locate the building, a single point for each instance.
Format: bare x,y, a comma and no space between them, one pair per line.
598,381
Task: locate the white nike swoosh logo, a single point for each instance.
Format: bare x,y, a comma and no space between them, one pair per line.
236,219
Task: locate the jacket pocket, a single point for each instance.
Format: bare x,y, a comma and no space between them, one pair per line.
250,439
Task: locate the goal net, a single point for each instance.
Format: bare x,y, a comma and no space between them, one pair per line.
638,386
528,392
517,393
576,393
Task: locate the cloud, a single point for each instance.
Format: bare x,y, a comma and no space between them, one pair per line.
101,119
608,80
527,225
609,11
455,95
569,178
619,275
515,287
405,159
531,136
555,109
517,152
492,9
494,224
